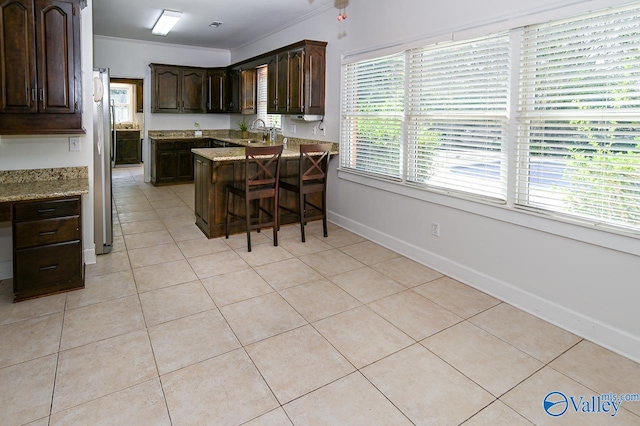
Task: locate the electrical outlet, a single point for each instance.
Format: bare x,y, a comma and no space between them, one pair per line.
435,229
74,143
198,133
294,128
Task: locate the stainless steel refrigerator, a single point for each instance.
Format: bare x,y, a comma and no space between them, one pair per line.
103,146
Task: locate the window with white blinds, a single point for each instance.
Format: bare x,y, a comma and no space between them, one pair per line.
270,120
373,116
544,118
578,142
457,116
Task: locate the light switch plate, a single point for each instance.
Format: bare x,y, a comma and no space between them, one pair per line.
198,133
74,143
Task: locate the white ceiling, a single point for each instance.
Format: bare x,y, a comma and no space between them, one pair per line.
244,21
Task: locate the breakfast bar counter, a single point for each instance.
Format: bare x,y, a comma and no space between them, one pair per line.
215,168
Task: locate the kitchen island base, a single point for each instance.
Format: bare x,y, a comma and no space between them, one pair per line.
211,179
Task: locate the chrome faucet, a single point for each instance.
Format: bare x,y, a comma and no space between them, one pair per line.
264,128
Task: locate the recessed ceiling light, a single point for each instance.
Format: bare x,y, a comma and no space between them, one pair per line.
215,24
166,22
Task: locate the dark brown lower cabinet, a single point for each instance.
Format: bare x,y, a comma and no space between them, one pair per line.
47,247
172,159
128,147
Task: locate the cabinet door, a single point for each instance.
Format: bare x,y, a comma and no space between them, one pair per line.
139,96
56,54
295,101
165,166
217,93
233,90
315,63
248,92
272,85
127,148
282,84
184,165
193,91
17,58
166,89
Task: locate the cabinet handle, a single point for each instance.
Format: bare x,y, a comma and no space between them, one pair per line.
42,234
33,95
221,95
41,95
48,268
41,211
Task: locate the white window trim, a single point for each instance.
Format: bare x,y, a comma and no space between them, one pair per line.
584,231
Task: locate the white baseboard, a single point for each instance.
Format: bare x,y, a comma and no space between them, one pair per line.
89,256
6,269
584,326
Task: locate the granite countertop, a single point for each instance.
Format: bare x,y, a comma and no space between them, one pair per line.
235,154
34,184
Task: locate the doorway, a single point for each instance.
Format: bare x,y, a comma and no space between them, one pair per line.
127,95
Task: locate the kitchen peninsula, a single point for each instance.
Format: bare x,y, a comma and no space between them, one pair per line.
215,168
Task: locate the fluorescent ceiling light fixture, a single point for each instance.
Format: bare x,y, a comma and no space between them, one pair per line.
166,22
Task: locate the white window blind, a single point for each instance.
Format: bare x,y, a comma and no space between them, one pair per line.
122,96
372,116
458,116
270,120
578,142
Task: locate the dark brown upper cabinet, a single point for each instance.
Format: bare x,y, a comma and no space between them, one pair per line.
177,89
296,79
223,90
295,84
248,83
40,67
217,87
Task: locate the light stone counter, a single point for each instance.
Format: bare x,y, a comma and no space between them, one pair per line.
24,185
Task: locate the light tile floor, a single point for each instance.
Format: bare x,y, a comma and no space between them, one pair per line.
173,328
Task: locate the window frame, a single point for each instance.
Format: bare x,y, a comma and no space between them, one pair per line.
573,227
130,89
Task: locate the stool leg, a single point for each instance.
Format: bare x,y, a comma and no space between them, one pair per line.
226,228
301,203
260,217
324,213
276,221
247,206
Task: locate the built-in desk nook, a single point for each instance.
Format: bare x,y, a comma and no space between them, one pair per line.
44,207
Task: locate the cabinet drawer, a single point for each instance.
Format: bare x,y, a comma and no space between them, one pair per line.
206,143
184,145
166,146
48,231
46,209
46,269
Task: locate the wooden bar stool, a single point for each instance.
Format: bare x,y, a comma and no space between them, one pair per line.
312,179
261,175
